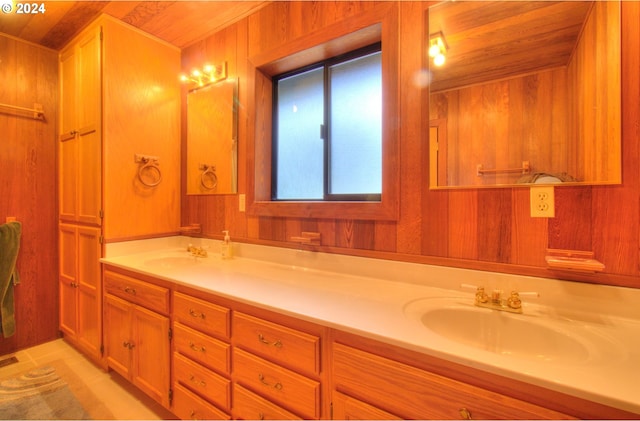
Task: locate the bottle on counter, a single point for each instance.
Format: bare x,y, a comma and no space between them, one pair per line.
226,250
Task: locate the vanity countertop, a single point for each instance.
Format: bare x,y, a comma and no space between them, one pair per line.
384,300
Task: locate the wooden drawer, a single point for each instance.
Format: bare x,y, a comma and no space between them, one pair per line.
201,348
188,406
249,406
348,408
414,393
283,345
143,293
284,387
202,381
201,315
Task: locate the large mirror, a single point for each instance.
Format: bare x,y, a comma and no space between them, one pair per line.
212,146
529,92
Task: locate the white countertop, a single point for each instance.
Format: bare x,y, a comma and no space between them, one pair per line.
385,300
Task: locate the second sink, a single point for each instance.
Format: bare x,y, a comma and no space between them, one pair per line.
502,333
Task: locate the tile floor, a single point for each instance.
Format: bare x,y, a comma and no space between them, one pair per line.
123,400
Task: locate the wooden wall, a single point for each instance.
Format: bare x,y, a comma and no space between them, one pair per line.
28,75
486,229
141,107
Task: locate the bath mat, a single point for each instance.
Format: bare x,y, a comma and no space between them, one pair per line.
51,392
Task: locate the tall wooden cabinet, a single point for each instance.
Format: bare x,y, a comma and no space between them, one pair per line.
80,193
119,97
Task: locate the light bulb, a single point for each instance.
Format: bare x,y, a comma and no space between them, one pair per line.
439,60
434,50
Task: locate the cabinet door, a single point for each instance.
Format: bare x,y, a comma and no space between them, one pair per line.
117,341
68,178
68,93
80,153
68,280
89,287
151,366
88,129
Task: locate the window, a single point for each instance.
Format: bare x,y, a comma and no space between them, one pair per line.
328,129
378,24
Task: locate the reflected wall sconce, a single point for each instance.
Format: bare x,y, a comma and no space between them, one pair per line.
199,78
437,48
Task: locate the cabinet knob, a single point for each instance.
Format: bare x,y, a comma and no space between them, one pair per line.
277,386
195,313
465,414
197,348
130,290
194,380
262,339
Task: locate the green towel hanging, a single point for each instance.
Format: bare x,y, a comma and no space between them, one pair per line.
9,246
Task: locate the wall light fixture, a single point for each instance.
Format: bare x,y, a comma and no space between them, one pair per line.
209,74
437,48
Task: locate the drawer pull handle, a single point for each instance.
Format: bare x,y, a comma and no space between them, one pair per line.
197,382
197,348
277,386
465,414
128,344
194,313
130,290
277,343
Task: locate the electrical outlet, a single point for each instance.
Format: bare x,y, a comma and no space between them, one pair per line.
542,202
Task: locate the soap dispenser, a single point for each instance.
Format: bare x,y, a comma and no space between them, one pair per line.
226,249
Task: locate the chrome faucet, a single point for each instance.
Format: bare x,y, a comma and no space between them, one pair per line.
497,301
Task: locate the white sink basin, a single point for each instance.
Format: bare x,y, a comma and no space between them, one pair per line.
171,261
516,335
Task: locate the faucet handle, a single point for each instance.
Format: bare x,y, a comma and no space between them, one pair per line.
514,300
481,295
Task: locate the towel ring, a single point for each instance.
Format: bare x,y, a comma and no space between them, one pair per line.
150,165
208,173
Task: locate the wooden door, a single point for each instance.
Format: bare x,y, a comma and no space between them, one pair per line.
118,339
151,366
80,154
68,141
68,280
89,290
88,128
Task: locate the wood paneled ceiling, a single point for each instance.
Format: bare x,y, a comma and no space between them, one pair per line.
500,39
180,23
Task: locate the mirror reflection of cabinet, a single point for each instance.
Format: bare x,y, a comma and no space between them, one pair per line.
528,89
212,147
